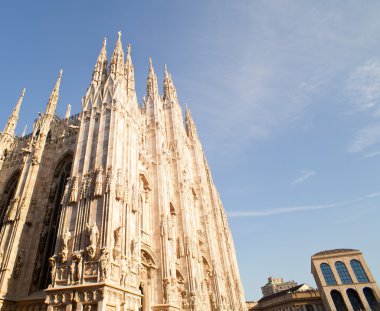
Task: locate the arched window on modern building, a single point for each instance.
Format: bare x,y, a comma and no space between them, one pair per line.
343,272
360,274
354,298
328,274
8,195
373,303
338,301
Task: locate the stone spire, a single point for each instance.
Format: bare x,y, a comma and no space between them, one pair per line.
52,103
191,130
24,131
170,92
117,60
12,121
152,85
100,71
129,72
68,111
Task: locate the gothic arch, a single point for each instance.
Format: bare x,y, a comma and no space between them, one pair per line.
41,277
148,258
8,194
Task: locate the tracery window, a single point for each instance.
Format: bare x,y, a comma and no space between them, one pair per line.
343,272
338,301
354,298
41,277
368,293
7,195
360,274
328,274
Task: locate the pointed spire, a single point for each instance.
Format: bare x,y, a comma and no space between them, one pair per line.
12,121
100,70
24,131
129,72
170,92
68,111
191,130
117,61
152,84
52,103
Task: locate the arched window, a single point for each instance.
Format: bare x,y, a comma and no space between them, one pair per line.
343,272
368,293
7,195
338,301
328,274
41,277
359,271
354,298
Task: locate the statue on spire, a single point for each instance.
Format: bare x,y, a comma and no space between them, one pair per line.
117,60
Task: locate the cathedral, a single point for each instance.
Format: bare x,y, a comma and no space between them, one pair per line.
113,208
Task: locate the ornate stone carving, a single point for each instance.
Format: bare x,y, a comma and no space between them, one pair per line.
109,179
53,269
104,264
12,209
116,252
66,236
93,236
74,190
119,190
98,191
124,269
18,264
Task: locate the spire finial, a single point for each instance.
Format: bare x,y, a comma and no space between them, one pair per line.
24,131
117,60
12,121
100,70
68,111
151,65
129,49
52,103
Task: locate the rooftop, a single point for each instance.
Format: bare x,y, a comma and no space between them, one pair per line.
335,251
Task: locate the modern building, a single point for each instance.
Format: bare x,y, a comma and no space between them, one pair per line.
298,298
276,285
114,208
344,280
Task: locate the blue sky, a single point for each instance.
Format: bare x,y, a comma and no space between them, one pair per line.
285,94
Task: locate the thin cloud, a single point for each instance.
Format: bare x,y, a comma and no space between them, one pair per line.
366,137
371,155
363,87
295,209
305,174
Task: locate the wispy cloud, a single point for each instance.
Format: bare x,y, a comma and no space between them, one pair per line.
366,137
363,91
295,209
304,175
363,87
371,155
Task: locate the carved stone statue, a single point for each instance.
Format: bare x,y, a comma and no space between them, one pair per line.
104,264
74,190
166,286
117,240
77,259
93,236
71,279
109,179
98,183
66,236
124,270
18,264
53,269
119,191
12,209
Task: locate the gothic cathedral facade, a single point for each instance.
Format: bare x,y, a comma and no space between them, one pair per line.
113,208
